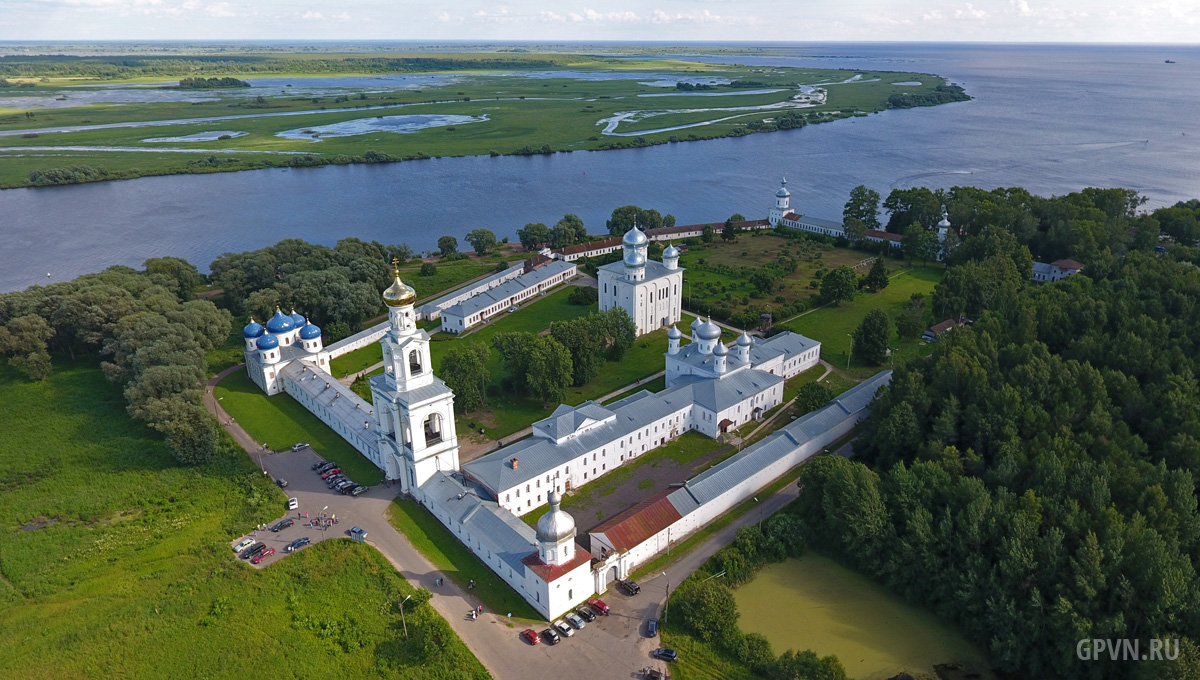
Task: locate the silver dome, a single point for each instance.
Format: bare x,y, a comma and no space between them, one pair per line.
670,252
635,237
743,340
720,350
556,525
634,258
709,331
783,192
674,334
696,324
945,223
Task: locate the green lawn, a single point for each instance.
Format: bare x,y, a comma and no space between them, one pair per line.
834,325
454,559
116,560
280,421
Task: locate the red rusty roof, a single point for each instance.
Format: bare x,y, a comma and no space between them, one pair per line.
550,572
885,235
939,328
633,526
1067,264
590,245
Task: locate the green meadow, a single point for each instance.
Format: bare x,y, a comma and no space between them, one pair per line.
115,560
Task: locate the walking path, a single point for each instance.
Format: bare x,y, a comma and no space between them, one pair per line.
785,407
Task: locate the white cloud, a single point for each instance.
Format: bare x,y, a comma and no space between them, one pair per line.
312,16
1022,7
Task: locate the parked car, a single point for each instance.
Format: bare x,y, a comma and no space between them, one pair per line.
301,445
317,465
329,473
282,524
297,544
666,654
254,550
360,489
531,636
587,614
344,484
325,467
562,627
358,534
654,674
262,555
574,620
335,480
551,637
293,503
652,628
599,605
281,482
246,543
629,587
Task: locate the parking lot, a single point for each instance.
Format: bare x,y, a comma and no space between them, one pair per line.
313,497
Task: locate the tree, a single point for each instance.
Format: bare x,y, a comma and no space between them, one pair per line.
877,278
448,245
583,296
811,397
729,233
706,607
668,220
179,274
906,206
549,369
515,348
855,229
618,329
427,269
24,340
533,235
585,346
862,206
191,434
910,323
838,285
623,219
465,370
568,231
763,281
920,243
737,217
872,336
708,234
482,240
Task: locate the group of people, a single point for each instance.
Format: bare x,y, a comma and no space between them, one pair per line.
474,613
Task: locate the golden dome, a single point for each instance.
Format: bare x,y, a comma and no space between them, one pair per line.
399,293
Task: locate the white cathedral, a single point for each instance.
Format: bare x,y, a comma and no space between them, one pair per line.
408,428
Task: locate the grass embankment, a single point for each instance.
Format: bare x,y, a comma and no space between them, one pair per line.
563,113
116,560
281,421
454,559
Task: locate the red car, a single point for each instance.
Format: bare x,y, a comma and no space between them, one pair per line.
331,473
263,555
531,636
599,605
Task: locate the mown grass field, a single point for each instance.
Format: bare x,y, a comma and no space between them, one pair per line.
563,113
281,421
115,560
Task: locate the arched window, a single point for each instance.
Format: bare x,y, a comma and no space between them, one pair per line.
414,362
433,428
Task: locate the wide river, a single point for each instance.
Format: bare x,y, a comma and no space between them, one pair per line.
1053,119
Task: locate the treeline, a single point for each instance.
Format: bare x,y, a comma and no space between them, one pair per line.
942,94
113,67
72,174
337,288
211,83
1034,478
704,604
150,334
4,82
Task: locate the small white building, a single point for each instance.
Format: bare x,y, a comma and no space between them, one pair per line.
1055,271
650,292
486,304
431,311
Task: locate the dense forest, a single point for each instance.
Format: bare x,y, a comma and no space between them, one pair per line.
1034,478
210,83
942,94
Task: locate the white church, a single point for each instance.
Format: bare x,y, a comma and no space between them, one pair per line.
408,430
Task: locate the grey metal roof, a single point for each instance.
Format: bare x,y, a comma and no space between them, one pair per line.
416,395
718,394
484,283
654,269
497,530
691,355
1042,268
566,420
820,223
729,473
377,330
508,289
787,343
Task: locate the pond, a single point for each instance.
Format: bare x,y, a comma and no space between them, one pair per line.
395,124
815,603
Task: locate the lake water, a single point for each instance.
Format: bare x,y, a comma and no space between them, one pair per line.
815,603
1053,119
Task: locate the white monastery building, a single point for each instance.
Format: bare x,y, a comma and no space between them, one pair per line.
408,431
650,292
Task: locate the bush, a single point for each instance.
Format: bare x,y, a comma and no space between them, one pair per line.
428,269
583,296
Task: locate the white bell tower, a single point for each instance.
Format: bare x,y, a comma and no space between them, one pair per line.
413,407
782,202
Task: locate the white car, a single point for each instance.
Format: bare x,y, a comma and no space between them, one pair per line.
562,627
575,620
246,543
293,503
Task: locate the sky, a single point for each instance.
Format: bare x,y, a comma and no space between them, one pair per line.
1104,21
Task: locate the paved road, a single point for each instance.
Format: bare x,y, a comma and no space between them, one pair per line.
611,647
